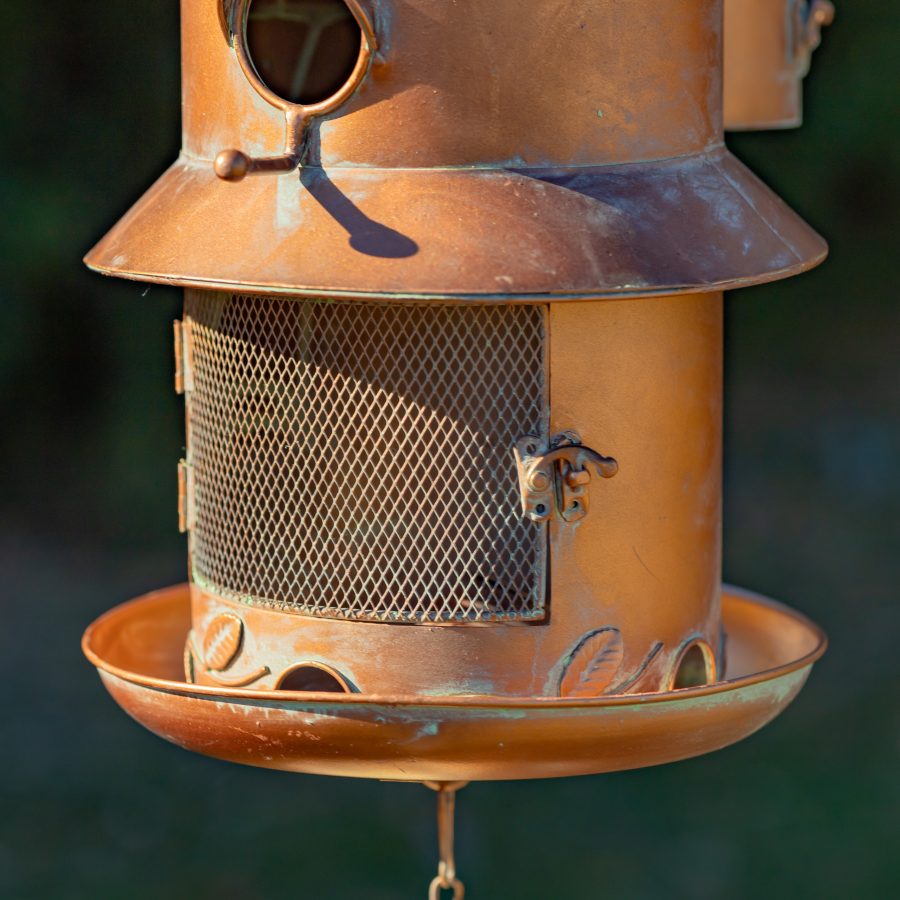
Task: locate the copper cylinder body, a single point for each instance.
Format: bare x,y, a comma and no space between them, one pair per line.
640,380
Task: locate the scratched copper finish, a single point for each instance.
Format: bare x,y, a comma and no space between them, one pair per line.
768,46
485,154
412,738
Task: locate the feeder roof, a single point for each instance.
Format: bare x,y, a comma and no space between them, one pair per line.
696,223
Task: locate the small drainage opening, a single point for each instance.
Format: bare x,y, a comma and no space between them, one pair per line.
313,677
696,667
303,50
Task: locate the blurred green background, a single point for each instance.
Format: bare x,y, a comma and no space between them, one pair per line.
93,806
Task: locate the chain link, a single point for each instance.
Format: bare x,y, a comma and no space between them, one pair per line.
438,884
446,879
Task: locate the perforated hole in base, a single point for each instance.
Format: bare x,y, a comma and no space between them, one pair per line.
696,667
313,677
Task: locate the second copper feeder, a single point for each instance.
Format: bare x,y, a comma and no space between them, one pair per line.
768,49
453,393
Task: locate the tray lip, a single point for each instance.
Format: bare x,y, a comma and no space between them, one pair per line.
464,701
730,594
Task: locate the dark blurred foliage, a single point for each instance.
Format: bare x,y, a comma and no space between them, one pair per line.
93,806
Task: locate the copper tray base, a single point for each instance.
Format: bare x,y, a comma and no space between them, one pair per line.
138,649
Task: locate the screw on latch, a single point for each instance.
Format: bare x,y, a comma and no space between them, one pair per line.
554,476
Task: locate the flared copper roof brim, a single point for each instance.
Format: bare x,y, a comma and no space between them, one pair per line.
138,649
699,223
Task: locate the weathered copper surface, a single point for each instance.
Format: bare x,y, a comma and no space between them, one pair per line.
768,46
485,154
137,648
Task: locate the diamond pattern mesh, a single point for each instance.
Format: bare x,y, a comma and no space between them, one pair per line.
355,460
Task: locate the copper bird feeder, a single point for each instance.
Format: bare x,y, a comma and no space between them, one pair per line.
768,49
451,356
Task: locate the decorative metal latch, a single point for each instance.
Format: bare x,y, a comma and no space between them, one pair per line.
554,475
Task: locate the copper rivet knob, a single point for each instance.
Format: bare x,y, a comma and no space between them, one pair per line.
232,165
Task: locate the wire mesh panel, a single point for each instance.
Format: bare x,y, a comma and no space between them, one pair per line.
356,460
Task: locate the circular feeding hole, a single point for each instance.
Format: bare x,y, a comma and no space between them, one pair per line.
313,677
696,667
303,50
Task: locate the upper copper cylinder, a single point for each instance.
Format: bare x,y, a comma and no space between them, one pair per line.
479,83
571,152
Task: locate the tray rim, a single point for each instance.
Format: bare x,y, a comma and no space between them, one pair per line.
730,595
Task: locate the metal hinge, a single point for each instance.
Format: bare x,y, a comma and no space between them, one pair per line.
185,496
554,478
184,374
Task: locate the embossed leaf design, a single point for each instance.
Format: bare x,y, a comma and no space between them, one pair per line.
222,641
593,664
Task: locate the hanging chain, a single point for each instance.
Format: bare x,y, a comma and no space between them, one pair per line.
446,879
